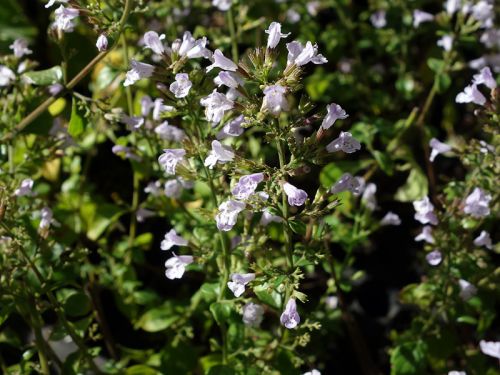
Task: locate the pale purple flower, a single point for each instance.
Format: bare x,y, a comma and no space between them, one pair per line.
313,7
239,281
390,218
192,48
290,317
132,123
176,266
484,12
424,211
368,198
452,6
102,43
457,373
159,108
246,185
334,112
222,62
300,55
445,42
170,158
7,76
491,38
275,100
222,4
146,105
20,48
425,235
437,148
434,258
232,128
126,152
143,213
296,197
180,88
52,2
55,89
252,314
292,16
485,77
477,203
268,217
25,189
332,302
170,132
216,104
378,19
47,218
471,95
491,348
420,16
467,290
346,183
138,71
312,372
228,214
220,154
64,19
345,142
173,189
275,34
153,188
483,239
229,79
153,41
172,239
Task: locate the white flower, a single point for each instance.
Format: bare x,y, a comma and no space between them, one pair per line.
434,258
420,16
170,158
275,34
483,239
169,132
216,104
153,188
222,62
313,7
332,302
102,43
477,203
7,76
471,95
334,112
390,218
312,372
346,183
222,4
491,348
126,152
485,77
180,88
52,2
219,154
25,189
229,79
467,290
445,42
268,217
232,129
452,6
228,214
20,48
300,55
64,19
238,282
192,48
345,142
437,148
457,373
484,12
368,198
139,70
378,19
159,108
153,41
425,235
172,239
176,266
296,197
290,317
424,211
46,218
252,314
275,100
246,185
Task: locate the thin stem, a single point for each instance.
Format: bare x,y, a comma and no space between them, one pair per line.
232,32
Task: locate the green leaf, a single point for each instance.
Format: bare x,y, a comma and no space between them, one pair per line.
467,319
384,161
268,296
443,81
77,304
221,370
157,319
416,186
297,226
141,370
221,311
409,359
76,125
44,77
436,65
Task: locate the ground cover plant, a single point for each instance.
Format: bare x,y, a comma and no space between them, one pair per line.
249,187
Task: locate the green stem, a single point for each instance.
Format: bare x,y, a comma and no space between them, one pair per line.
82,74
232,32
